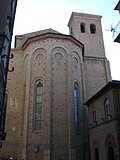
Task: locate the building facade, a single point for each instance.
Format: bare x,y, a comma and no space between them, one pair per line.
116,30
104,122
7,16
54,74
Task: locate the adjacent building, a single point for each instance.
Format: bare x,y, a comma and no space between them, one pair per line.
104,122
116,30
7,16
54,75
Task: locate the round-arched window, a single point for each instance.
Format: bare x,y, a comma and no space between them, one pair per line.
82,27
92,28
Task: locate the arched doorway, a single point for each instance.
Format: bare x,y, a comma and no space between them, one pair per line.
96,154
111,153
96,148
110,145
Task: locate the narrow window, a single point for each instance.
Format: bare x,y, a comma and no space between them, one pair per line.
94,118
107,109
82,27
38,104
76,107
71,31
93,28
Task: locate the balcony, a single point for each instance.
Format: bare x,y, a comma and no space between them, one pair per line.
116,33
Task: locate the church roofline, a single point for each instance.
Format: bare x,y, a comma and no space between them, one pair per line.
112,84
53,36
38,33
24,37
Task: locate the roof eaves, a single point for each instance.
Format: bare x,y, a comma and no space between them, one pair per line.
55,35
111,84
117,7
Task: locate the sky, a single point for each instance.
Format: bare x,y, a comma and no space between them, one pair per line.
36,15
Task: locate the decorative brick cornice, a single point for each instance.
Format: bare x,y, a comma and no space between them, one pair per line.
55,36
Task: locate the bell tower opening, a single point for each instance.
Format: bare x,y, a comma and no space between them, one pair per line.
92,38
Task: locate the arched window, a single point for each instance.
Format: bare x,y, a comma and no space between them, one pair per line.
107,109
76,111
38,104
82,27
94,118
92,28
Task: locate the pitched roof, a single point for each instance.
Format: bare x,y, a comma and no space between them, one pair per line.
108,86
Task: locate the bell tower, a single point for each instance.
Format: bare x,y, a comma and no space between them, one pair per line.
87,29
